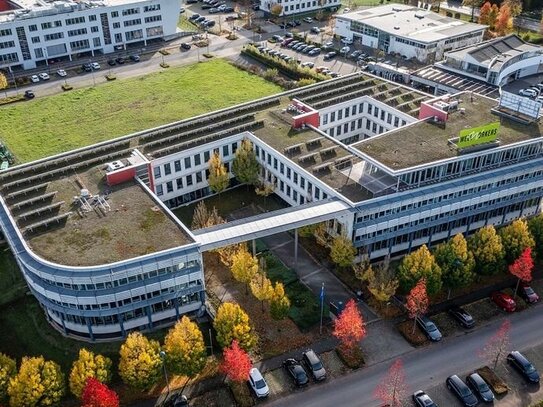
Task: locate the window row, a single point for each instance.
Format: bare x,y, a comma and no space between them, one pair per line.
185,182
7,44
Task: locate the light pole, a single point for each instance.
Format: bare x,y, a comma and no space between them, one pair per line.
322,306
163,357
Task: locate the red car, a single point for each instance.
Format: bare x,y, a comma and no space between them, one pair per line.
504,301
527,293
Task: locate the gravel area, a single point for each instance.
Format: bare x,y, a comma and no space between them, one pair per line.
333,365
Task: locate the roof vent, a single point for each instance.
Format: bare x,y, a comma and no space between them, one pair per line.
419,15
396,27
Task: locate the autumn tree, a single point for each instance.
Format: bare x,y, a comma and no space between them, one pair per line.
488,14
276,9
261,286
417,265
349,327
497,346
504,21
516,238
88,365
185,348
381,281
38,383
486,246
232,323
3,83
218,175
8,369
522,267
392,390
97,394
226,253
417,301
245,165
473,4
140,363
342,251
279,302
515,7
456,262
535,225
204,218
244,267
236,363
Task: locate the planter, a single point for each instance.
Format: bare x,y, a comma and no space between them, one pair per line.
164,65
67,87
111,77
11,99
497,384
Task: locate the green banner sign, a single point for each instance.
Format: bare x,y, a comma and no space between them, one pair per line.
478,135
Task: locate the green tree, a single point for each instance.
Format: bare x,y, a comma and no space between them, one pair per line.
88,365
486,246
244,267
417,265
456,262
38,383
535,225
185,348
140,363
245,165
218,176
8,369
232,323
516,238
342,251
279,303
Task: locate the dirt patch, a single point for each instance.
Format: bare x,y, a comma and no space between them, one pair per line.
446,325
333,364
483,310
416,338
497,384
221,397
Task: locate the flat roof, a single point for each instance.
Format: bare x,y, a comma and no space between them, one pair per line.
424,142
412,22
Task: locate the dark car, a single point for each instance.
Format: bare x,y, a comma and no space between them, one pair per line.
461,391
463,317
527,293
120,60
111,62
194,16
185,46
177,400
523,365
296,371
429,328
29,94
200,19
209,23
135,58
421,399
86,67
480,388
504,301
329,55
314,365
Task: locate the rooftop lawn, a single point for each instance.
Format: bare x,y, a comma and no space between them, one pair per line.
51,125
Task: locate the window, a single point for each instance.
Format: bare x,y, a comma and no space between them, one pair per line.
76,20
179,183
187,162
177,165
5,32
9,44
94,29
116,25
288,173
370,108
225,151
55,36
169,186
376,112
130,23
353,110
325,119
81,44
51,24
189,180
152,19
157,172
295,177
167,169
302,182
32,27
368,124
133,35
333,116
340,114
79,31
96,41
345,127
35,40
159,190
197,160
114,14
234,148
347,112
206,156
154,7
198,177
295,195
92,18
131,11
338,130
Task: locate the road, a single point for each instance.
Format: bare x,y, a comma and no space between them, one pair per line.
424,367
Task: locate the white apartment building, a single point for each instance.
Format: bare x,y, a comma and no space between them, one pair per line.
291,7
34,31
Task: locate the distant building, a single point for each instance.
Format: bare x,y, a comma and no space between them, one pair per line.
291,7
34,31
408,31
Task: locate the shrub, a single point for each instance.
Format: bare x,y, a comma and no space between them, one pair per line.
110,77
164,65
164,52
66,87
206,55
11,99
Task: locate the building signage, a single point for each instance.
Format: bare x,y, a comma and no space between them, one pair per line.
478,135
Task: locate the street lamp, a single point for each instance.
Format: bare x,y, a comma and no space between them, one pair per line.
163,357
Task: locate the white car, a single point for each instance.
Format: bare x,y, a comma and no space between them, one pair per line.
258,384
308,64
308,19
34,78
527,92
347,41
345,50
43,76
95,65
61,72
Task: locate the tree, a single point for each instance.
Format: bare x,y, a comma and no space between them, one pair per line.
261,286
245,165
185,348
515,239
236,363
232,323
484,13
497,346
276,9
3,83
456,262
515,7
417,301
88,365
486,246
38,383
140,363
218,175
473,4
522,267
417,265
203,218
349,327
8,369
279,302
244,267
226,253
97,394
535,225
392,390
504,21
381,283
342,251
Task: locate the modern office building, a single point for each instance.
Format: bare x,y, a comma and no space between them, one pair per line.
293,7
35,31
390,167
408,31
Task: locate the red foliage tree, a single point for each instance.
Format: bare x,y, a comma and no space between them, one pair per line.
484,11
97,394
236,363
522,267
497,346
417,301
349,326
392,390
504,20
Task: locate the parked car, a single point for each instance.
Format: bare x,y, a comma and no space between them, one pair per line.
314,365
308,64
86,67
330,55
95,65
344,50
120,60
314,52
527,293
461,316
44,76
297,22
29,94
461,391
208,23
421,399
527,92
308,20
258,384
429,328
346,41
523,365
213,10
315,30
504,301
191,1
480,387
111,62
135,58
296,372
61,72
355,54
194,16
328,44
185,46
177,400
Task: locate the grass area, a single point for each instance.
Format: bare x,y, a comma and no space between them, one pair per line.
46,126
367,3
12,284
185,25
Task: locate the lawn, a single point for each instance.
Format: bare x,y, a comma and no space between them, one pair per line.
50,125
12,284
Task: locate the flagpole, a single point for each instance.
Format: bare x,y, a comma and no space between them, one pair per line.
322,305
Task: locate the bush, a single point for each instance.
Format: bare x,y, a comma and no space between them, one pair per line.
164,65
270,74
353,359
11,99
242,394
164,52
305,82
206,55
416,338
111,77
67,87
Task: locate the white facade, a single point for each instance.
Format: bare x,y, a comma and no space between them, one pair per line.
291,7
66,28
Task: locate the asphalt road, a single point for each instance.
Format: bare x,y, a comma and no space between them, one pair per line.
424,367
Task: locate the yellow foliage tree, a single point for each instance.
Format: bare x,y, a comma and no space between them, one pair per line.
185,348
232,323
88,365
342,251
3,83
279,303
218,176
486,246
261,286
140,361
226,253
244,267
516,237
8,369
